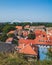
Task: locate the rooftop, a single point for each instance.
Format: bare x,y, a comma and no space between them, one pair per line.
27,49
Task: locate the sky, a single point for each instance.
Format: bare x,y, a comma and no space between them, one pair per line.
26,10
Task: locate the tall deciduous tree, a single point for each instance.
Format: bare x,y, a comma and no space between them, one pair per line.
7,28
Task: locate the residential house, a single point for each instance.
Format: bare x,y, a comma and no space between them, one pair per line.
29,51
27,27
9,40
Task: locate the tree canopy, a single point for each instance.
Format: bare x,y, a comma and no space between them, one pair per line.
31,36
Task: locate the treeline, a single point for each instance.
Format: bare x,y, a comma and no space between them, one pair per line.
33,24
28,23
7,26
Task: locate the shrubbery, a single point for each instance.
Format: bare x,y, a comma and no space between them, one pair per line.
18,59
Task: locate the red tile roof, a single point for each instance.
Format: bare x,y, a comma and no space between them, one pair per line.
19,27
27,49
50,32
26,41
10,32
39,40
39,32
20,46
49,37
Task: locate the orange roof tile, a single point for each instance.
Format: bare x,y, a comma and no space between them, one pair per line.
10,32
28,50
39,32
26,41
42,41
38,40
49,37
19,27
20,46
50,32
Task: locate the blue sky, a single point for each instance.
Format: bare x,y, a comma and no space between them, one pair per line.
26,10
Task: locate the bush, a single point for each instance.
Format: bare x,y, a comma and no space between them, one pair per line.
18,59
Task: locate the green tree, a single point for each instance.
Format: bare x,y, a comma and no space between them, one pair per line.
3,37
31,36
7,28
